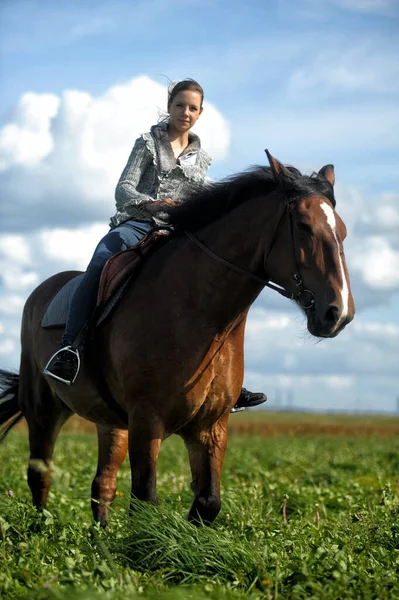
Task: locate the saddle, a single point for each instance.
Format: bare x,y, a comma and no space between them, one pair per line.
121,267
115,276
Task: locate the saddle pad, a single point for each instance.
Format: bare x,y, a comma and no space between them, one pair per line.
57,311
116,274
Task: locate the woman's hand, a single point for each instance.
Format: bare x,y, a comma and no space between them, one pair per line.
161,205
170,202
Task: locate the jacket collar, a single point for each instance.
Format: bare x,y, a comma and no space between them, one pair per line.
165,158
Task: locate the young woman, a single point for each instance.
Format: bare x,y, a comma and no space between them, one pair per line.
164,166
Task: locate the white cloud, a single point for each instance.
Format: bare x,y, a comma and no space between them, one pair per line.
11,304
382,214
7,346
364,346
72,247
79,145
262,322
14,248
310,382
373,393
376,330
27,140
18,281
378,263
16,263
339,382
388,217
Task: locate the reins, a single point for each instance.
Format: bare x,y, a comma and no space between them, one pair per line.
302,291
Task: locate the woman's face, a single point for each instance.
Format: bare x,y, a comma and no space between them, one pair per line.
185,110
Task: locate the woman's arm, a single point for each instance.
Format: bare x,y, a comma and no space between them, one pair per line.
126,193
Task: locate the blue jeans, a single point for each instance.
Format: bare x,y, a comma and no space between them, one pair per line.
84,300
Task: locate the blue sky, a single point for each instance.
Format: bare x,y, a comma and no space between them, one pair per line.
316,82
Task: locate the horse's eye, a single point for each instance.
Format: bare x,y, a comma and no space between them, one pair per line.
305,227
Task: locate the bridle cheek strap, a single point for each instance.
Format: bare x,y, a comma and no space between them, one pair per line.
303,297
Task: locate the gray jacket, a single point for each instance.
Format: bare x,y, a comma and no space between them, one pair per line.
153,173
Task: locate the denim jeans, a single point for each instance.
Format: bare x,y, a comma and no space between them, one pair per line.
84,300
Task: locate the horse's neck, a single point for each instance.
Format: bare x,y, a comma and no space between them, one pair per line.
239,237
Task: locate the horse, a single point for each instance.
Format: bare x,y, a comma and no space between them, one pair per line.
170,359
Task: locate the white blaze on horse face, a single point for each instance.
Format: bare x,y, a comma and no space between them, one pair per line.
328,211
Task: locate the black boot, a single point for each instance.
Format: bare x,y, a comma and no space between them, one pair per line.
64,365
248,399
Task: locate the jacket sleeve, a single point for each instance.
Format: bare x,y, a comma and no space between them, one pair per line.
126,193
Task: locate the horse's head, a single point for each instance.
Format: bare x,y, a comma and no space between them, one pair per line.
307,256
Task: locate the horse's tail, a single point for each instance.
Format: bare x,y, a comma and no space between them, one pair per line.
10,412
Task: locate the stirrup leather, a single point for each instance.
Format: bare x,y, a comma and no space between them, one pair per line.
75,353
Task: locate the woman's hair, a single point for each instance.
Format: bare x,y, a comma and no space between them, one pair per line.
182,86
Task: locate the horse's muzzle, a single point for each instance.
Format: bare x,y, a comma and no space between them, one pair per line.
329,323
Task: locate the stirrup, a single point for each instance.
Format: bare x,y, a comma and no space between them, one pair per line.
74,352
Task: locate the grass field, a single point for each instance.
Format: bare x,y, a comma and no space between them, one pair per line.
310,510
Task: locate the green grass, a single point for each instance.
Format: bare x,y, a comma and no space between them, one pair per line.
287,416
340,539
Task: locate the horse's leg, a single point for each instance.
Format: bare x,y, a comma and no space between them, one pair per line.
112,449
206,451
45,415
146,432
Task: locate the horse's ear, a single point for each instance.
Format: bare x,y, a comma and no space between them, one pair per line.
328,173
280,173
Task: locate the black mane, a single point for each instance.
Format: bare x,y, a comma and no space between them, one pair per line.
212,200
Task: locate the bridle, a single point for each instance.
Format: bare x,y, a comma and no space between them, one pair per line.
302,296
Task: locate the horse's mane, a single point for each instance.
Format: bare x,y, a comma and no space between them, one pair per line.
210,201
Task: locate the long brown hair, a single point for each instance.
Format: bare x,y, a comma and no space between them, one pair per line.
181,86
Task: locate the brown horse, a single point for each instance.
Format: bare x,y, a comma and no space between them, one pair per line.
170,360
